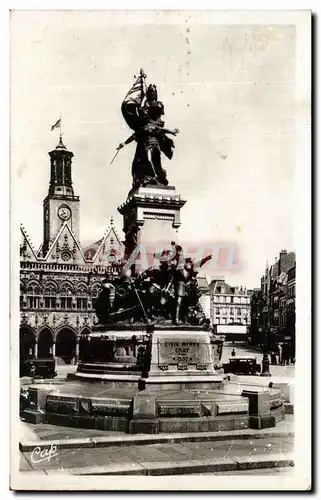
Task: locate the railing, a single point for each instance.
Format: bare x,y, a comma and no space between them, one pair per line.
47,266
56,309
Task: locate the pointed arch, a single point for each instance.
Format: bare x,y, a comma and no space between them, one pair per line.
50,294
81,293
84,344
45,342
85,331
66,292
50,284
27,342
81,288
66,285
32,284
66,339
33,293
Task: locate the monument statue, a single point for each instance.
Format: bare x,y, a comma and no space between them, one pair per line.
165,294
152,351
143,114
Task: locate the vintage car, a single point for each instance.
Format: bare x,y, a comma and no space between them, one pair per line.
242,366
38,368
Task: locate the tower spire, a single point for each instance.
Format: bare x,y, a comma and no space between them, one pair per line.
61,204
60,170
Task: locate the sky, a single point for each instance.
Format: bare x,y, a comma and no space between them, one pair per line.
230,89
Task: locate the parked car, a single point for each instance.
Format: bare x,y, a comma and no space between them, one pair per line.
242,366
38,368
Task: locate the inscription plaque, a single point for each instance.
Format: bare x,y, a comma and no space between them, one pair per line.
180,353
191,410
183,353
230,408
109,409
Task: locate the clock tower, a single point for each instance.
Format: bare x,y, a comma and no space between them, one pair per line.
60,205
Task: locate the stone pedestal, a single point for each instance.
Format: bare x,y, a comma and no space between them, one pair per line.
181,359
151,218
261,416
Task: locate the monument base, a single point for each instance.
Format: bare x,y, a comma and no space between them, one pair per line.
160,382
170,357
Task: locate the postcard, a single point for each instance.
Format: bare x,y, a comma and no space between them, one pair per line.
160,218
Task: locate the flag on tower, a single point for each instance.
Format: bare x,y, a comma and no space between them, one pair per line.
57,124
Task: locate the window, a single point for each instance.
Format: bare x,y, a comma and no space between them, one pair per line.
82,303
231,311
66,296
82,297
217,310
228,299
238,311
33,296
50,294
65,302
50,302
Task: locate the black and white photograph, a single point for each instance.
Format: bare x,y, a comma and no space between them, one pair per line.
160,208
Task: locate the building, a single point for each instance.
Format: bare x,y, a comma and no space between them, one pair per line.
60,280
289,323
273,305
205,299
229,305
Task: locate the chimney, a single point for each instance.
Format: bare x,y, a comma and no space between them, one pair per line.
286,260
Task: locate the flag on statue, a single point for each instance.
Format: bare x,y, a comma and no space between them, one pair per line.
57,124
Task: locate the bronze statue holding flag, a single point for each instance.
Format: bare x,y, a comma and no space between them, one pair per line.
143,113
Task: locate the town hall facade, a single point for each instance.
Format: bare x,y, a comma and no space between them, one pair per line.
60,280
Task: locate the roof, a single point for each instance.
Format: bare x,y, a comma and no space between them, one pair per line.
220,287
108,249
91,250
27,250
202,284
274,270
71,244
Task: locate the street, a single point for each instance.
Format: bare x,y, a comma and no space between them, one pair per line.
241,349
178,456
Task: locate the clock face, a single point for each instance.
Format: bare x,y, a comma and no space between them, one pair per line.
64,212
